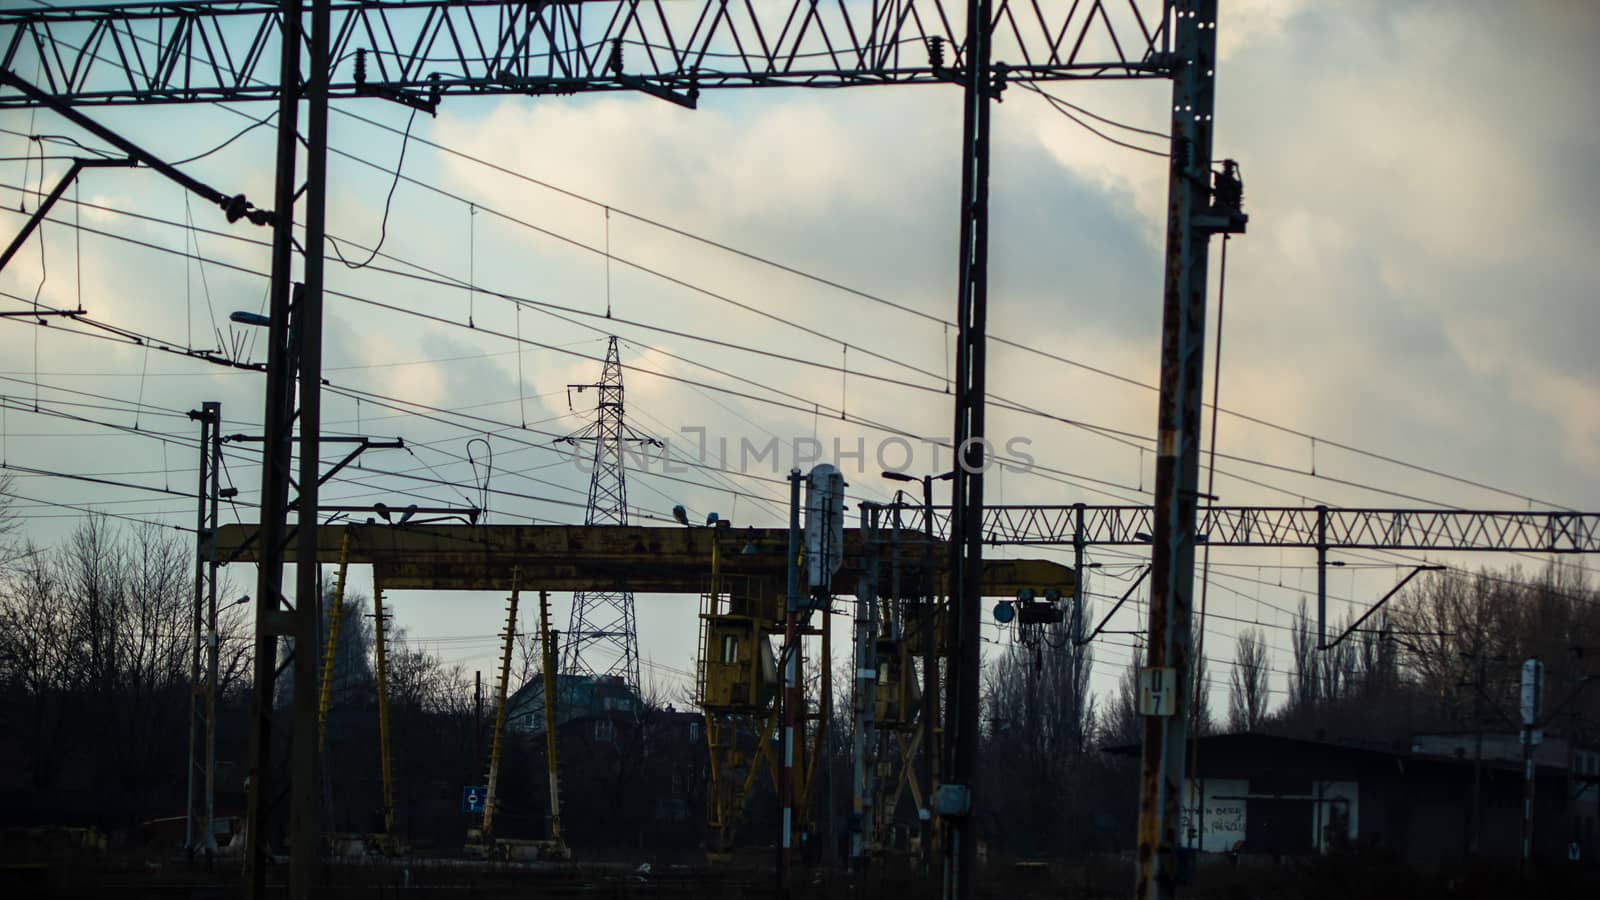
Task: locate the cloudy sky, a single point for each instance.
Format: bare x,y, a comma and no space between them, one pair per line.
1423,181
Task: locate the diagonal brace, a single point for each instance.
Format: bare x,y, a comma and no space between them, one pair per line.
1105,621
1385,599
78,165
235,207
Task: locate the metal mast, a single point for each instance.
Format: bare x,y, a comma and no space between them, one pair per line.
601,636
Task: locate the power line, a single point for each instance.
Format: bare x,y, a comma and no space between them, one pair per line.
865,295
100,512
1117,435
800,273
1064,108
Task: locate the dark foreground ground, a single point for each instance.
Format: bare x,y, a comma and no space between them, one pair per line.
85,873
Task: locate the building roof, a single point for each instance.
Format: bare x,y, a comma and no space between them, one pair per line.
1285,749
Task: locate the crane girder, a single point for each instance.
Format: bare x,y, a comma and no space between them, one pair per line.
191,51
643,559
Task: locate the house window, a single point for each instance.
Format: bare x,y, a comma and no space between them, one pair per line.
694,732
604,730
730,649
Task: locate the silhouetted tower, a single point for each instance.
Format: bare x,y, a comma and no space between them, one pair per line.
601,636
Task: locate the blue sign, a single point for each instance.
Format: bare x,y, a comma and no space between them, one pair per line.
472,799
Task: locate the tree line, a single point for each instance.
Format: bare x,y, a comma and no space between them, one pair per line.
1445,655
96,638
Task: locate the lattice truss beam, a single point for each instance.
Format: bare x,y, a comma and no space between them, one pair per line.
210,50
1309,527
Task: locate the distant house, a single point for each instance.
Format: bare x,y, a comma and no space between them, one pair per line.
602,698
630,777
1266,794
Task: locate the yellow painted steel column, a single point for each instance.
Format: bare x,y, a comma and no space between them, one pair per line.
510,635
334,613
381,642
550,742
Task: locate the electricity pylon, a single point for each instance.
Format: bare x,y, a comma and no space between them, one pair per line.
601,636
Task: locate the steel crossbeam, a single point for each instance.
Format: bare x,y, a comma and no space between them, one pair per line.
228,50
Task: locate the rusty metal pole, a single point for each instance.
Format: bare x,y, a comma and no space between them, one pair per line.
1191,220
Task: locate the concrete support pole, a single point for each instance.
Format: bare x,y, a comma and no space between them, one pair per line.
966,510
380,645
277,425
213,662
304,830
791,609
863,707
201,704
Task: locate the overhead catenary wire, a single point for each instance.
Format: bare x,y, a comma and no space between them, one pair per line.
1101,430
999,339
803,405
388,200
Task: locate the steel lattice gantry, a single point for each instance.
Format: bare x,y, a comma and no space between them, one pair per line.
1310,527
419,51
204,50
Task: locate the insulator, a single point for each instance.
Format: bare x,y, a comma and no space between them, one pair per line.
616,57
1228,187
361,66
936,52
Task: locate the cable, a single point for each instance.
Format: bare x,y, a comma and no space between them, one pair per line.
1211,491
871,297
238,134
802,406
383,224
1098,118
100,512
1060,106
94,480
1344,482
1000,403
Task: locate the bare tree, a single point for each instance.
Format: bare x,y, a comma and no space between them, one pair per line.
1248,688
9,524
1339,667
1123,723
1201,722
1307,669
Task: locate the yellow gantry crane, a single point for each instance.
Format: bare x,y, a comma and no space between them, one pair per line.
483,842
737,690
737,677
